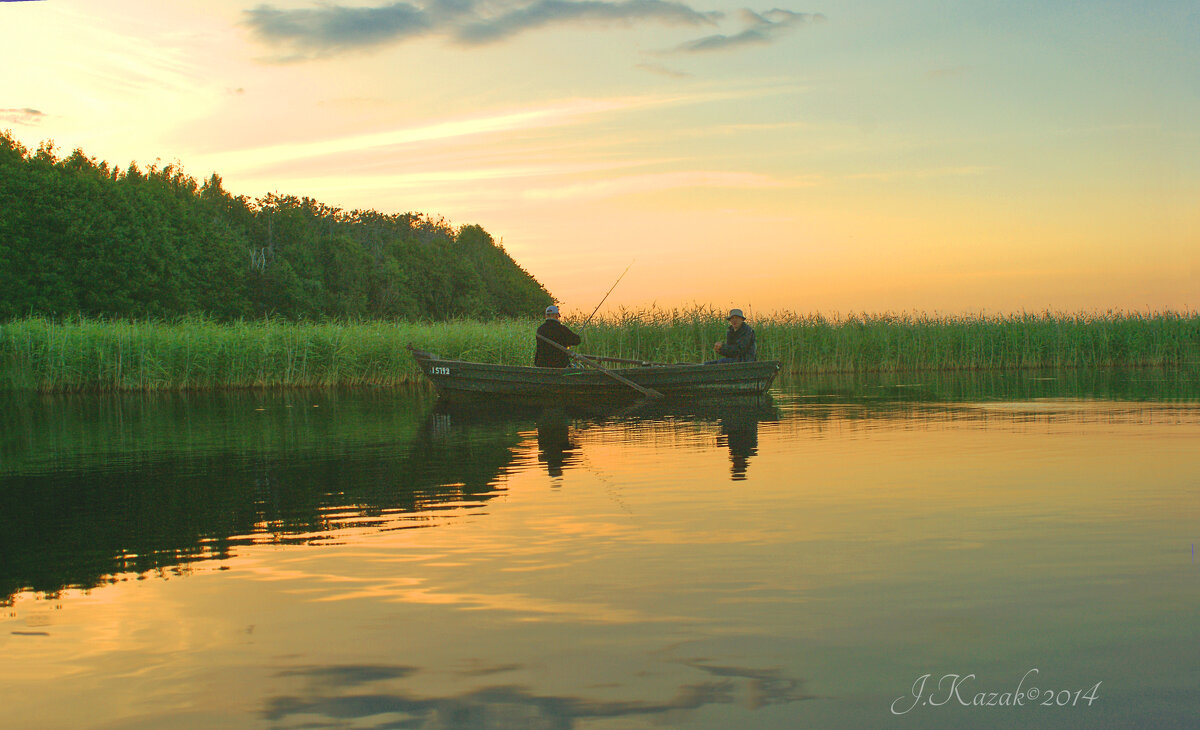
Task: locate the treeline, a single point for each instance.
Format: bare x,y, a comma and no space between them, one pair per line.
78,237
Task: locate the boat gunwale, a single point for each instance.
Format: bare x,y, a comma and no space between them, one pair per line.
664,369
467,379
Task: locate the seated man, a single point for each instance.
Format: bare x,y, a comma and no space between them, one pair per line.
547,355
739,343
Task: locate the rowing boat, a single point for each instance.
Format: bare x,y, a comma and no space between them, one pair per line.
459,380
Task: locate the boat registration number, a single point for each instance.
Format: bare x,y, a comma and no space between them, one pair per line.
441,371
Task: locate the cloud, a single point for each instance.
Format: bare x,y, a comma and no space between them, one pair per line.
493,123
661,181
562,113
924,174
21,116
762,28
661,70
331,29
941,73
546,12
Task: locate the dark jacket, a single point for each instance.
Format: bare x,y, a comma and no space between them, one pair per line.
547,355
739,344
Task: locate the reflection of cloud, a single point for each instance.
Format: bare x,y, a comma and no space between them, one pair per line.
482,670
331,588
762,28
530,608
346,675
21,116
330,29
765,686
337,696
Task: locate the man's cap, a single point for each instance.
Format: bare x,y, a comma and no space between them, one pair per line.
735,313
552,309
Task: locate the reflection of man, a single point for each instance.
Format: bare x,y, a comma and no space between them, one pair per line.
742,439
739,343
555,449
547,355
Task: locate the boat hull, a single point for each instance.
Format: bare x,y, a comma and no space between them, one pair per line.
459,380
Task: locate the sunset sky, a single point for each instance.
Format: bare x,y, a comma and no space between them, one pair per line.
934,156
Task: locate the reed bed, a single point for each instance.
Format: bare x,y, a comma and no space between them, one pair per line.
816,343
199,353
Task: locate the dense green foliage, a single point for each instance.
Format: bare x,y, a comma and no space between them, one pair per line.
78,237
196,353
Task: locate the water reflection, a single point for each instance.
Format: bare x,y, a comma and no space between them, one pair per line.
958,386
740,435
93,487
76,517
342,694
560,429
599,569
555,448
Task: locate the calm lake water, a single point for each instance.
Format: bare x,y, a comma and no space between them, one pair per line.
374,559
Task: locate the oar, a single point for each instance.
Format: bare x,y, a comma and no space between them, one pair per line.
648,392
622,360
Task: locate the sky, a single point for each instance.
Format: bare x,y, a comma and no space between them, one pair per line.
939,157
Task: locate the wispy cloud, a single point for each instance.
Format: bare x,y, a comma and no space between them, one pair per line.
502,122
656,68
942,73
923,174
21,116
330,29
571,111
761,28
656,182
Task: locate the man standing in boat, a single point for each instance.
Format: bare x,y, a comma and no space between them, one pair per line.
547,355
739,341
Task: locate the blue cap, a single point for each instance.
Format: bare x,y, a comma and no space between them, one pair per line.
552,309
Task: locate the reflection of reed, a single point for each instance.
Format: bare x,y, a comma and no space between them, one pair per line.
52,433
95,486
73,521
1141,384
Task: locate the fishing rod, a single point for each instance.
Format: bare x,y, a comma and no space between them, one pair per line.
610,291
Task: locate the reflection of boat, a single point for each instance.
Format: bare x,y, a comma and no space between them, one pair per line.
560,430
462,380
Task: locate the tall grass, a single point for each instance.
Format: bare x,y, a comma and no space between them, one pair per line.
815,343
199,353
